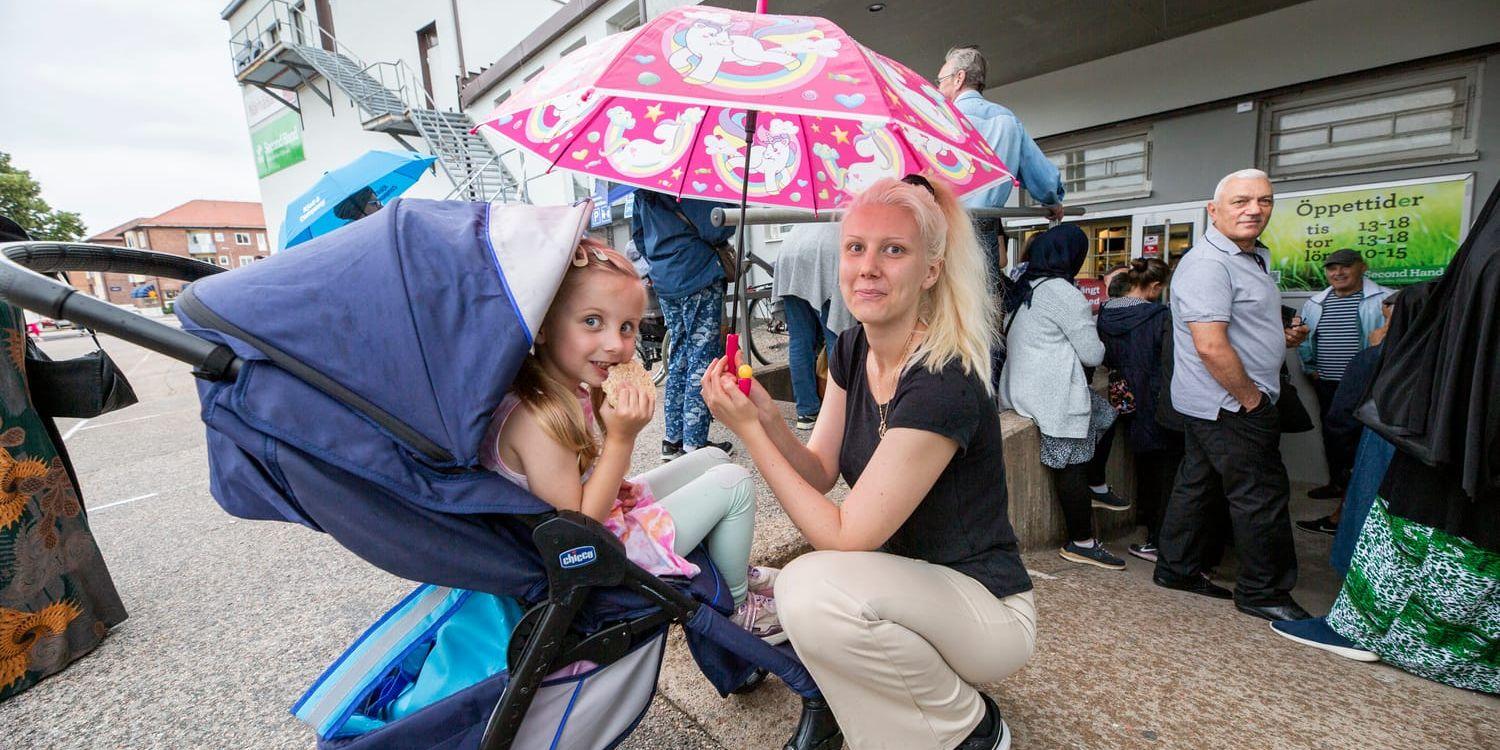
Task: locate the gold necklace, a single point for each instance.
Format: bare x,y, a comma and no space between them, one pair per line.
905,353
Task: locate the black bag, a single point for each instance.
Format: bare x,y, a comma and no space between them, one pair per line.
1290,412
82,387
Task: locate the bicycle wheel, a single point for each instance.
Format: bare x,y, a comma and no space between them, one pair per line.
768,334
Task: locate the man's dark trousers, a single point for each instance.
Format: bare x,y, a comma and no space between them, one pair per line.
1243,452
1339,449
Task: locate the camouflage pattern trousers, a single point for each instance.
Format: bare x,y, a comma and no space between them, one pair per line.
693,323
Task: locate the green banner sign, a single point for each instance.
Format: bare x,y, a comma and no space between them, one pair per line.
277,143
1407,233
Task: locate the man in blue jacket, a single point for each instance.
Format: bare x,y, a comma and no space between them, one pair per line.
678,239
1339,320
961,79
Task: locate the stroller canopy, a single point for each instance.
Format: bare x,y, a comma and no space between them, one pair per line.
413,320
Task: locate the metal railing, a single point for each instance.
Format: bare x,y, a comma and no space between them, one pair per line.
757,216
275,22
279,22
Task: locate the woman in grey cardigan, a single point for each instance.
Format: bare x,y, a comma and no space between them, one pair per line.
1050,339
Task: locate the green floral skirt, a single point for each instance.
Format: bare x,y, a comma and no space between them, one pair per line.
1424,600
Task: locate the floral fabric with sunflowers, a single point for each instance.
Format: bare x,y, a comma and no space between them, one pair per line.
56,597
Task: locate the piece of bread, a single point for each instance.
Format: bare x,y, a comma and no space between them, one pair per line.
627,372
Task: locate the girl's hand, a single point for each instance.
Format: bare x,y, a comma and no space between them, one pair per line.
631,494
721,392
631,412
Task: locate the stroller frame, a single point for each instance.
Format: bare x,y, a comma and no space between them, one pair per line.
578,553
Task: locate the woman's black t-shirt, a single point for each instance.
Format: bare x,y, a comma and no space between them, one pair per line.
963,522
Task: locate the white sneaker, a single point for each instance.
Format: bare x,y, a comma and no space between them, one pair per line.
762,579
757,614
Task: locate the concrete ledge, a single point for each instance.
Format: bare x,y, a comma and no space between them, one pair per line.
1034,511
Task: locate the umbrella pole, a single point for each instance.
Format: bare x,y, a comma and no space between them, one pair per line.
739,320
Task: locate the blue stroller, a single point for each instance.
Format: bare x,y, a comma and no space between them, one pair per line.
346,386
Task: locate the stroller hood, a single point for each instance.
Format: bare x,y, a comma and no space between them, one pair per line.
379,349
424,310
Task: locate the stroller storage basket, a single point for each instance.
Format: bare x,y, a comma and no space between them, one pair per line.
431,669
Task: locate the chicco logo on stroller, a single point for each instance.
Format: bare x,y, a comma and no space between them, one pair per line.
578,557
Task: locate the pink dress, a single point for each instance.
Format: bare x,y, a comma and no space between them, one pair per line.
646,528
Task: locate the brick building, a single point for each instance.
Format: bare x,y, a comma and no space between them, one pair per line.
226,233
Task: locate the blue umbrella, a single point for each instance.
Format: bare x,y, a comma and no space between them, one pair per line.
386,173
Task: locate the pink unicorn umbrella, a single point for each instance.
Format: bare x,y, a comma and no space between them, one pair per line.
717,104
774,110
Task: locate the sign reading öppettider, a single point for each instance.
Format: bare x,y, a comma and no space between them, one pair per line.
1406,231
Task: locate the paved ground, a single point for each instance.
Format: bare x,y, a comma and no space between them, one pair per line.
230,621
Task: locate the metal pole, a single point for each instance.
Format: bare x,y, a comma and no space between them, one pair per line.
757,216
741,315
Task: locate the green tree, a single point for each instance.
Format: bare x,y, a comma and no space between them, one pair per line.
21,200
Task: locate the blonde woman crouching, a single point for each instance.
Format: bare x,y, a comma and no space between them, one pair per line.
917,591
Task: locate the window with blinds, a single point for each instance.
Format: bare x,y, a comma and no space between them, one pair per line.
1097,170
1422,117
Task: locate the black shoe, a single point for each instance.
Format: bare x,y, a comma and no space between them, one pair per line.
817,729
725,446
807,423
1145,551
1326,492
1324,525
1275,612
670,450
1095,555
991,734
1198,585
1108,500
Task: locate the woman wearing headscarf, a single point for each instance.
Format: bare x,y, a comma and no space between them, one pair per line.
1423,589
1050,339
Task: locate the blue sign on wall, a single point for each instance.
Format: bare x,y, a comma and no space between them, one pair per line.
600,217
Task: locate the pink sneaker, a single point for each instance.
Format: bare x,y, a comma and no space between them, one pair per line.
757,614
762,580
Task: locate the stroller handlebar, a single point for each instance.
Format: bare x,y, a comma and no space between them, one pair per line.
23,285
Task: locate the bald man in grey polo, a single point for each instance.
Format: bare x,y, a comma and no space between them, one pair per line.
1231,452
1219,283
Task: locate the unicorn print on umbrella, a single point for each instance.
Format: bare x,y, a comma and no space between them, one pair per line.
708,40
774,159
642,157
882,159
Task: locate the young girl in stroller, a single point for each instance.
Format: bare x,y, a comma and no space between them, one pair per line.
559,436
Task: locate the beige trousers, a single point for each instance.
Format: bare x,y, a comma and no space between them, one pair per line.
897,644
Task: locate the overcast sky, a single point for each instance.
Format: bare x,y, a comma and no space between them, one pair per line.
123,108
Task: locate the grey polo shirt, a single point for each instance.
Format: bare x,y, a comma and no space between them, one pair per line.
1218,283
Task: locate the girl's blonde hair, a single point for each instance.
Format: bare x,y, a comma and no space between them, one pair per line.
553,402
959,313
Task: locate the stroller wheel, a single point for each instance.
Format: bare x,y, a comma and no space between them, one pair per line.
751,685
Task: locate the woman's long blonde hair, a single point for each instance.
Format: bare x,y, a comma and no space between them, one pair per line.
958,311
553,402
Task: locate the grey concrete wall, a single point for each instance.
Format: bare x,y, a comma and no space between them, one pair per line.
1299,43
1190,152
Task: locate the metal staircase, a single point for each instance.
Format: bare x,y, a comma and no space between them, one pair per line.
272,51
371,96
466,156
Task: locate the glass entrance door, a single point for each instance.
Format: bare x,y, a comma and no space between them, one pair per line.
1167,234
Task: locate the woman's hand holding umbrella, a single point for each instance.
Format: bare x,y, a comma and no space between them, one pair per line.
735,410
